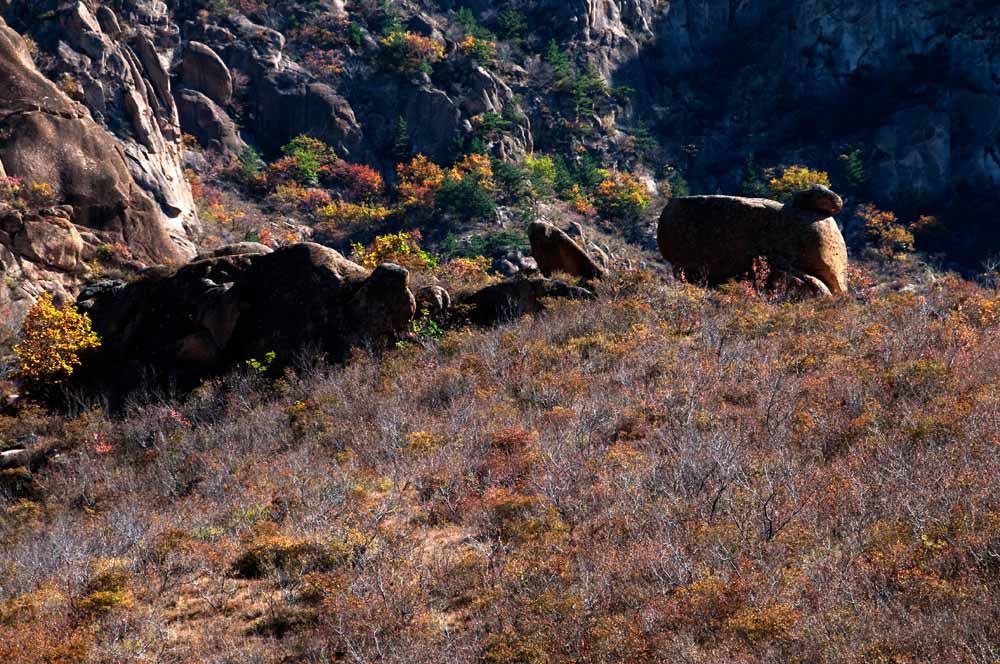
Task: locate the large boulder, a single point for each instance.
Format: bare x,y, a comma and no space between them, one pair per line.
241,302
555,251
208,122
718,238
200,68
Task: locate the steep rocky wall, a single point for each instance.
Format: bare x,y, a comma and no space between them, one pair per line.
50,138
911,82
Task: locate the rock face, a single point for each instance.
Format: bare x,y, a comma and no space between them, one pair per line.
912,85
717,238
121,77
242,302
555,251
201,69
49,138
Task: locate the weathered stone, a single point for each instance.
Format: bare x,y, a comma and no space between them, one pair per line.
818,199
717,238
557,252
201,69
205,120
50,138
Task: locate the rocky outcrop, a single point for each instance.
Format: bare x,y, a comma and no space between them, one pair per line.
513,298
205,120
122,78
718,238
556,252
238,303
50,138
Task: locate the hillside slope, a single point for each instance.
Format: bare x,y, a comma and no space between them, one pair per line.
666,474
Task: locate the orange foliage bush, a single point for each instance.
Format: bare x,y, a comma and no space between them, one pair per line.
419,181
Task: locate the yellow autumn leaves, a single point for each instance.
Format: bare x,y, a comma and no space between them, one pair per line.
52,340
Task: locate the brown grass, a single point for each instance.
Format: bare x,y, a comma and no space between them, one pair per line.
665,474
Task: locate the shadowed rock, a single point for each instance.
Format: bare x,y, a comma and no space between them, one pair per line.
516,297
555,251
241,303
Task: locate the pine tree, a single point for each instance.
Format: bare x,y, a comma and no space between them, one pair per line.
402,148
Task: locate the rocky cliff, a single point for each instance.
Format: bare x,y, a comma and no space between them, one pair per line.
72,186
911,84
908,88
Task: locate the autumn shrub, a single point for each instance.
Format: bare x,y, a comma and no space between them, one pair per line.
107,588
292,197
26,196
307,155
53,344
401,248
410,52
479,50
419,182
544,176
339,214
621,197
463,274
889,238
278,553
794,179
360,183
325,62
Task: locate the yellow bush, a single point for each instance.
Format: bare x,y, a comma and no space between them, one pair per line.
621,196
52,341
795,179
478,167
340,213
419,181
401,248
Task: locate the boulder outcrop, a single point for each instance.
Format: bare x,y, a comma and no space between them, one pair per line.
177,326
555,251
718,238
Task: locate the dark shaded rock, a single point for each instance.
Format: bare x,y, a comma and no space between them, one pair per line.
514,298
108,22
208,122
284,103
434,299
717,238
555,251
180,326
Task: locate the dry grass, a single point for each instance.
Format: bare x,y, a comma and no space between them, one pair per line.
665,474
